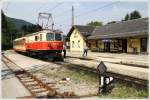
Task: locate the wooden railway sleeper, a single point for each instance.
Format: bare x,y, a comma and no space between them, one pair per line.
24,75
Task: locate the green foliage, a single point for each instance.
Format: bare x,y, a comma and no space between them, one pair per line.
18,23
133,15
4,22
95,23
26,29
14,28
8,32
127,17
121,90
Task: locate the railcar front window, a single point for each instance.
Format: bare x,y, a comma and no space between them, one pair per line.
58,37
50,37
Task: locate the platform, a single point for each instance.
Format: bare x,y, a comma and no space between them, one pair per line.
11,86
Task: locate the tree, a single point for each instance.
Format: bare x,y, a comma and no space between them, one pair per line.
4,23
24,28
95,23
8,32
127,17
135,15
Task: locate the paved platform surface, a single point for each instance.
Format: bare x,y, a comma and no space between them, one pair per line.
11,86
135,59
24,61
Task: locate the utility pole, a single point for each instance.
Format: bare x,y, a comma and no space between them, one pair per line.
72,15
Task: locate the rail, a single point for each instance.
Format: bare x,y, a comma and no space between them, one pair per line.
35,86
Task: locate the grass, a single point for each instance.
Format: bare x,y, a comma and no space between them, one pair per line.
81,76
122,91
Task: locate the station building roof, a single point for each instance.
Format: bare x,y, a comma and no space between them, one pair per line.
85,30
130,28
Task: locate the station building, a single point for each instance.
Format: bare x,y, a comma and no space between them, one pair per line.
77,37
124,37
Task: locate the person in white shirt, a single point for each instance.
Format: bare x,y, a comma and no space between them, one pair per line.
85,50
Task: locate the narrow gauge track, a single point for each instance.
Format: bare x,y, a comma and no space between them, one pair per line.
36,87
122,78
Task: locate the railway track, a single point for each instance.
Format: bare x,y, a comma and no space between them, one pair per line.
52,93
123,78
34,85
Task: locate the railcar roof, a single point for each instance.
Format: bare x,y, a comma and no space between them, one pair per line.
43,31
19,38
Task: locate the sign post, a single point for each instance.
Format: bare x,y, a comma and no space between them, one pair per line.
101,71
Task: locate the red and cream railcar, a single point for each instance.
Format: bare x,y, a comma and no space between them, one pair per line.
42,43
20,44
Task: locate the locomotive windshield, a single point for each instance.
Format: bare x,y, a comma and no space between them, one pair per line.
58,37
52,37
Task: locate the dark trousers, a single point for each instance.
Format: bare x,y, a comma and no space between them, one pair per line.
64,53
85,53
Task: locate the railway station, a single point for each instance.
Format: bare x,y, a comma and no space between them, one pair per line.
103,59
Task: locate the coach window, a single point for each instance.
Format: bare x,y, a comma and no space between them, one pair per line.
40,37
36,38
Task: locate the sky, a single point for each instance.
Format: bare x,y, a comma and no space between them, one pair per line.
84,11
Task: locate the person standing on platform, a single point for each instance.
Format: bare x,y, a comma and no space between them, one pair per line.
64,50
85,51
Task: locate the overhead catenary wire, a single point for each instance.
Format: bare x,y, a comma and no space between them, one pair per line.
93,10
56,6
52,8
100,8
62,13
43,5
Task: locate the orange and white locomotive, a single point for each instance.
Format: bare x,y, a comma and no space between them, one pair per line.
44,43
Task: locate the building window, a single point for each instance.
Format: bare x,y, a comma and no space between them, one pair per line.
75,35
78,43
72,43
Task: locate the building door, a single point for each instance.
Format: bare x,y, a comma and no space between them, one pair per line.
143,44
107,46
124,45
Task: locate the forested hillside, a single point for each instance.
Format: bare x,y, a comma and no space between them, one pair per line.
14,28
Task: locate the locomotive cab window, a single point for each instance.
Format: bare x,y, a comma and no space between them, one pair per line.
58,37
50,37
